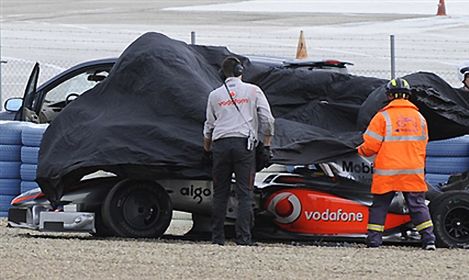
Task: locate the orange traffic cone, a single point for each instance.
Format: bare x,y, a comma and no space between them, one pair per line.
441,8
301,52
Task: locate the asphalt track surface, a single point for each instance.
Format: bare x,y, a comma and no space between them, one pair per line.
150,13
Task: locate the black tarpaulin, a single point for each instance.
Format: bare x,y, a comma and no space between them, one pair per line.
146,119
446,109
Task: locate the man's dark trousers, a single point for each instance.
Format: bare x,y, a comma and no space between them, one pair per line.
230,155
418,211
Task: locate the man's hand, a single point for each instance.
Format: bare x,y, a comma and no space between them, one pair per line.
263,157
268,156
207,158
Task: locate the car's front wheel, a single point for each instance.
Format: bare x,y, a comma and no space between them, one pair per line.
139,209
450,215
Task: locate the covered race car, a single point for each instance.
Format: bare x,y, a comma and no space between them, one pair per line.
145,120
143,125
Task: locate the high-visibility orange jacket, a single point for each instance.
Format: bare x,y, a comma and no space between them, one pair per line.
398,136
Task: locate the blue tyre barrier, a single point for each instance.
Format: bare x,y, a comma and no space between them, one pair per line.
9,170
29,154
10,186
28,185
436,179
446,165
10,152
453,147
3,214
5,202
32,134
10,132
28,172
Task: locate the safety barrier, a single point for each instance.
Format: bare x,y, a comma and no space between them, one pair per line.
446,157
19,151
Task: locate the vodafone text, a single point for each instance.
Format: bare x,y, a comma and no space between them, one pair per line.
337,216
230,102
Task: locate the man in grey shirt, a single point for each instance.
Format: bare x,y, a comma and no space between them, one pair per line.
235,112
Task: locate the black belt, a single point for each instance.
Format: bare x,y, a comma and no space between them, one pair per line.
231,138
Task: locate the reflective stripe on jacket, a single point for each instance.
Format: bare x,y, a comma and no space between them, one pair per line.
398,136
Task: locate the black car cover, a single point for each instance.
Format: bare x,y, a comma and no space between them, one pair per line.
145,120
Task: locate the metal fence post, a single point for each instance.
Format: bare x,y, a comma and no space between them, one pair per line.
1,99
393,58
193,37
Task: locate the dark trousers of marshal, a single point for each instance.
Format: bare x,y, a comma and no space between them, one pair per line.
231,156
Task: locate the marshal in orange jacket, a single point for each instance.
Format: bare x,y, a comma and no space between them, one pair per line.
398,136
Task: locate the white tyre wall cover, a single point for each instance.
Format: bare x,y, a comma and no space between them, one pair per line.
10,133
32,134
10,152
28,172
446,165
435,179
29,154
10,170
453,147
10,186
5,202
28,185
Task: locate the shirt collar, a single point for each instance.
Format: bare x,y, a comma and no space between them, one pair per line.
234,79
400,103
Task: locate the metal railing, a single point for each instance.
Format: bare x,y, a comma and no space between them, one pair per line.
374,56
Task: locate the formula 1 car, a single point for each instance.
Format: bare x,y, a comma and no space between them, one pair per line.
320,201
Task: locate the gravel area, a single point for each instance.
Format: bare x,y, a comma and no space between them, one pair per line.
35,255
31,31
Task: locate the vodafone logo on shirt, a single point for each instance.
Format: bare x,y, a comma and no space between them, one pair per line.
229,102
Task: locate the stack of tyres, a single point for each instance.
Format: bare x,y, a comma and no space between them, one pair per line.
31,138
10,147
446,157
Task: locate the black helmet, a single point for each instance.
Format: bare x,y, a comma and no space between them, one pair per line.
398,88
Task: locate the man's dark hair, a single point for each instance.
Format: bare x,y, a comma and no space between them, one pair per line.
232,67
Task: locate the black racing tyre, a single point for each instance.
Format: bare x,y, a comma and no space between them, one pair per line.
138,209
453,147
102,230
450,216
